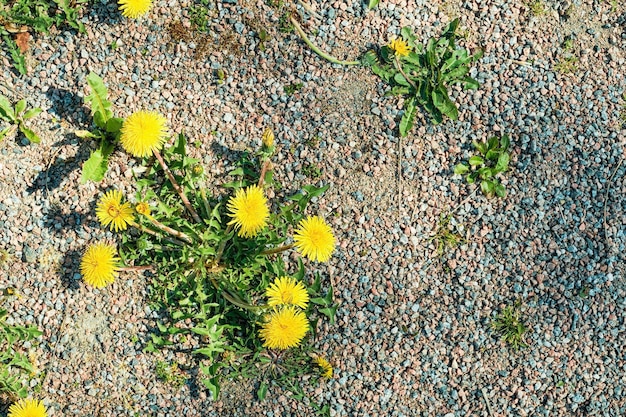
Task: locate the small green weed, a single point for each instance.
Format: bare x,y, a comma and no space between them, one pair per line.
623,111
263,37
170,374
312,171
15,366
509,325
16,116
284,23
40,15
113,45
493,160
200,16
584,291
422,74
292,88
568,61
445,236
536,7
106,132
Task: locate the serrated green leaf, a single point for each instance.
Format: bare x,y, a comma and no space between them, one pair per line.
408,118
485,173
114,124
399,78
6,131
262,392
369,58
488,188
443,103
469,83
30,135
503,162
372,4
330,312
476,160
85,134
6,109
505,142
492,155
18,57
480,147
500,190
32,113
100,106
461,169
96,166
20,106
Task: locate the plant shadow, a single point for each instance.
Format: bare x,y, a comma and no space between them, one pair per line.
70,269
104,12
52,177
67,105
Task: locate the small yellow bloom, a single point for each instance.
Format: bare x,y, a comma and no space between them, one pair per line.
314,239
268,138
284,328
134,8
249,211
110,210
143,132
27,408
326,369
285,290
143,209
400,47
99,265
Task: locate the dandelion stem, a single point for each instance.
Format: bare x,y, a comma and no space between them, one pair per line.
171,231
315,49
278,249
177,187
234,299
171,240
266,166
406,77
205,202
136,268
220,250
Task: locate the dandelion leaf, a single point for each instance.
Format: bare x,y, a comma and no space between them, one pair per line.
96,166
100,106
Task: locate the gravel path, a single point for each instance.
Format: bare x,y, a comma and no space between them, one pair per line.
413,331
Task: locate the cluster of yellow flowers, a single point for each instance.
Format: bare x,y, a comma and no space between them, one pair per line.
287,324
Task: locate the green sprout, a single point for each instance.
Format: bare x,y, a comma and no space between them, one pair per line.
509,325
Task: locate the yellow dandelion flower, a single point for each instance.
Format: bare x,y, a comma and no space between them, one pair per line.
27,408
249,211
134,8
110,210
326,369
314,239
285,290
399,47
143,209
143,132
99,265
284,328
268,138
